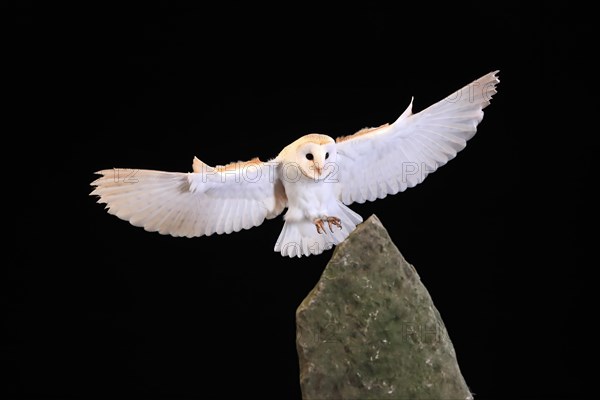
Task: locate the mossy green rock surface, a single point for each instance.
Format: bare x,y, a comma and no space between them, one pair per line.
369,329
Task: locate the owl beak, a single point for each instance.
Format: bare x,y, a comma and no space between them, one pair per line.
318,169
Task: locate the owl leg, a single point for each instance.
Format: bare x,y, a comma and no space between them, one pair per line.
320,223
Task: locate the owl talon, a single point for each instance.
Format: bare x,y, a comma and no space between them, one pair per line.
334,221
320,223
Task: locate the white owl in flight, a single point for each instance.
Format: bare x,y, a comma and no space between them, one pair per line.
314,177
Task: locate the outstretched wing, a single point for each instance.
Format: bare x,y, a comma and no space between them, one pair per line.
209,200
386,160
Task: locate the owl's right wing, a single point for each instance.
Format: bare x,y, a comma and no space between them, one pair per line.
209,200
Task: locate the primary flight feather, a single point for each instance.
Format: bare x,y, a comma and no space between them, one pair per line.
314,177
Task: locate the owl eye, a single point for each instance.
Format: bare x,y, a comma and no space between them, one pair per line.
309,156
326,156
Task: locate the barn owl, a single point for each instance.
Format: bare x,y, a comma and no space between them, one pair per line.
315,178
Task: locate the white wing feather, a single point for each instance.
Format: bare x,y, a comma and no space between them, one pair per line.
376,162
209,200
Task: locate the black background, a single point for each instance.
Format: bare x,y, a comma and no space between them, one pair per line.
95,306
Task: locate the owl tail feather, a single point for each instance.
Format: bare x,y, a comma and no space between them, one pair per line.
300,238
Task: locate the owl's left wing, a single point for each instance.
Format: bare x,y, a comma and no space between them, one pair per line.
376,162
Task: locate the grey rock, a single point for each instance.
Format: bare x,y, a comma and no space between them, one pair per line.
369,329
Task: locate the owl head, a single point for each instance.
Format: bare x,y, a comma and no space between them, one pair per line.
313,156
